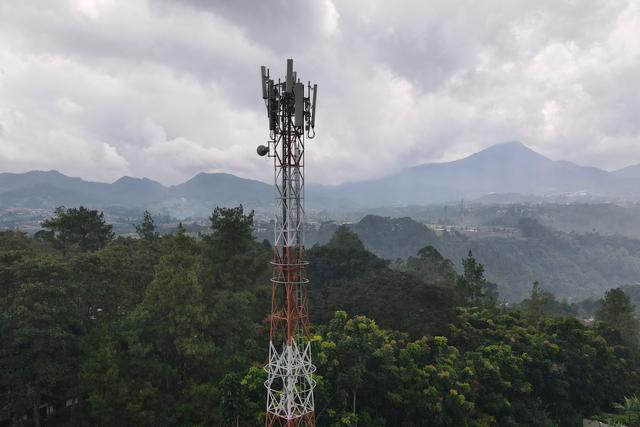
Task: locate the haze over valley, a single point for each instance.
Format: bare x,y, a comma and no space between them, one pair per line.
485,203
320,213
503,173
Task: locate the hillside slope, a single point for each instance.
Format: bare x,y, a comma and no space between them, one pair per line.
503,168
570,265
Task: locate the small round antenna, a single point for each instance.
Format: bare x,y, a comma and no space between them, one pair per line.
262,150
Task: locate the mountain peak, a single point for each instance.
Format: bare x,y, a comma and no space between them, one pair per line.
218,178
208,178
508,155
124,179
136,189
512,152
51,172
509,149
130,179
632,171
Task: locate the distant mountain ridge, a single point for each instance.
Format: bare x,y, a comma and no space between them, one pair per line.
508,168
196,197
632,171
502,168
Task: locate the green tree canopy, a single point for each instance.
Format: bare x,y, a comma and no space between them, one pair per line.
170,330
472,285
40,332
147,228
76,228
432,267
343,258
617,311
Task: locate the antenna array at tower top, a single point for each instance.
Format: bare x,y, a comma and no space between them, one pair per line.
298,102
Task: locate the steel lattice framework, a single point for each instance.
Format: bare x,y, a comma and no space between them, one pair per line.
290,369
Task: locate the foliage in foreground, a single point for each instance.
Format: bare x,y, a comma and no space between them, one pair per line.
493,369
170,330
627,413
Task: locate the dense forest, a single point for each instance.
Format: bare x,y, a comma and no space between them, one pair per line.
504,210
573,266
171,330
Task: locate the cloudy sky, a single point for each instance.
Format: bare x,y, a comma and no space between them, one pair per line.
166,89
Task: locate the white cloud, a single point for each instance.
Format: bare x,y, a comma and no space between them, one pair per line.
102,88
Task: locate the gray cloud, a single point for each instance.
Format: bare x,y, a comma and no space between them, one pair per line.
104,88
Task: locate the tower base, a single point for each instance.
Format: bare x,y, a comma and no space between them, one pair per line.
290,386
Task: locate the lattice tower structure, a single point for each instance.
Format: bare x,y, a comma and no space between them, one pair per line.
290,383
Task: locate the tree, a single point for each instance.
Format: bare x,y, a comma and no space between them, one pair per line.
231,230
472,284
40,332
13,240
76,228
629,412
15,248
234,400
531,228
234,269
165,348
542,303
196,324
396,299
147,229
165,330
432,267
345,276
616,310
355,358
535,305
113,279
232,259
343,257
126,267
566,368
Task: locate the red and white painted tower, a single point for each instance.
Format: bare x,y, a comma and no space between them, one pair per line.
291,111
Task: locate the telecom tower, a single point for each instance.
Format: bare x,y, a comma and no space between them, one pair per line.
291,111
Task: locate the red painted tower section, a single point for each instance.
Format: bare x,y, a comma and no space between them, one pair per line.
290,383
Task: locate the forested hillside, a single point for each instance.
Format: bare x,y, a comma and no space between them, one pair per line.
575,266
172,330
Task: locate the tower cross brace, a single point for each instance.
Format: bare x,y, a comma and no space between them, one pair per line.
290,384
